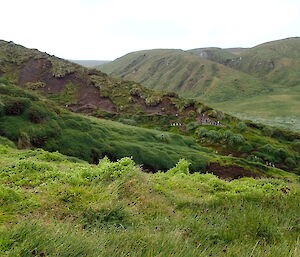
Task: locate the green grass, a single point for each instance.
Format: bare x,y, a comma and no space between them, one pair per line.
280,108
56,206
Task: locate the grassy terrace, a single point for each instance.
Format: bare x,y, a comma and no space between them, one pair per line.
59,206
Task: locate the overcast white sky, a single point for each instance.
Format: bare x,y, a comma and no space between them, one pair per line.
107,29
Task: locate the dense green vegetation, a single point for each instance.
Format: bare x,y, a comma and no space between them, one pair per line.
32,122
83,186
52,205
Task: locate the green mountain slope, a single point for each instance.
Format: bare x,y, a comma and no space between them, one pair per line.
31,121
34,122
269,95
277,61
186,74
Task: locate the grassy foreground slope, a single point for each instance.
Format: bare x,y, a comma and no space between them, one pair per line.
52,205
185,73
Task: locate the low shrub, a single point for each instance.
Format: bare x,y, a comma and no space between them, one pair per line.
241,126
191,126
181,167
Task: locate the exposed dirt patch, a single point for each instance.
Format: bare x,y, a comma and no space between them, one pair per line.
90,96
36,70
230,171
164,107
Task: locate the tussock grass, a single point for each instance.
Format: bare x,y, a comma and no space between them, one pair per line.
57,206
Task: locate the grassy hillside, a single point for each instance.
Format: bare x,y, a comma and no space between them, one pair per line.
187,74
270,59
269,94
31,121
34,122
54,206
202,183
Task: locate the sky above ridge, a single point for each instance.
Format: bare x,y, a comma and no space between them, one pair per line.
107,29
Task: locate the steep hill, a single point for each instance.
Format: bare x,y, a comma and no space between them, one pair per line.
277,61
80,89
186,74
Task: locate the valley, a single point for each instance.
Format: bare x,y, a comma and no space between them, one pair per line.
100,165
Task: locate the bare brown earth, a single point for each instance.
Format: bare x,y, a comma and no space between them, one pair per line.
229,171
36,70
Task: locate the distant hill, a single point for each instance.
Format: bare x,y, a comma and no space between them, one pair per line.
277,61
89,63
261,83
186,74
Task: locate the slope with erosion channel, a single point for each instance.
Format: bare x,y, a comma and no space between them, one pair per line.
277,62
93,92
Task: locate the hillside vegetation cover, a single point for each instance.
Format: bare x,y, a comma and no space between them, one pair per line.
185,73
262,83
52,205
33,122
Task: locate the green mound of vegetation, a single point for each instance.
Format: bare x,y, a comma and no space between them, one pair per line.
53,205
